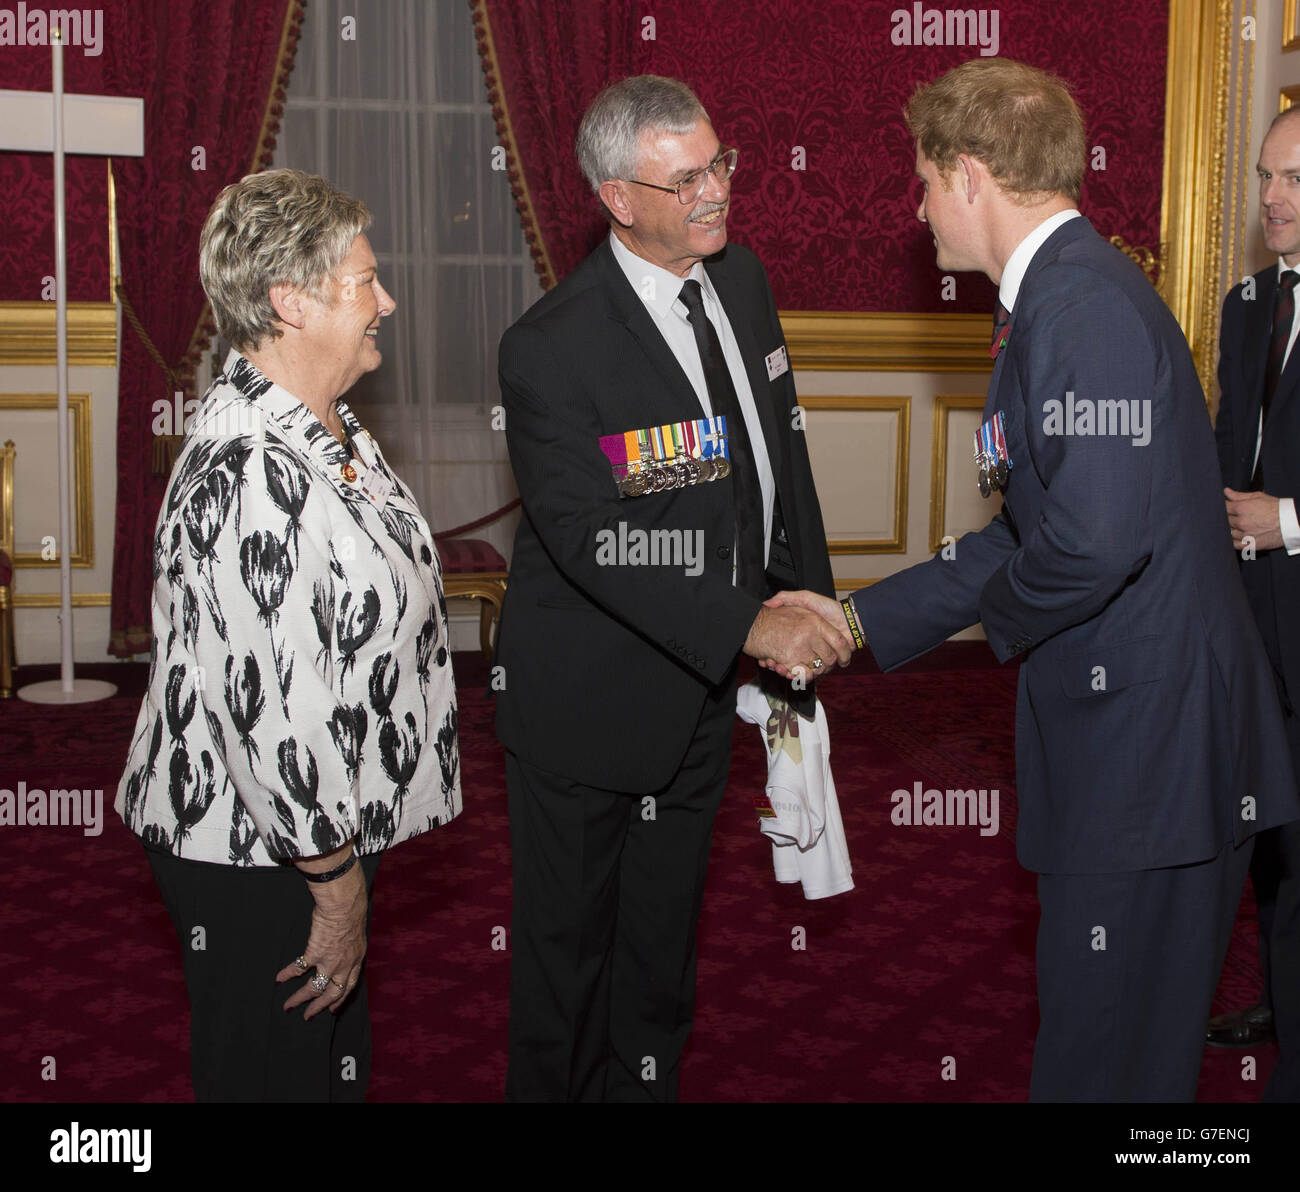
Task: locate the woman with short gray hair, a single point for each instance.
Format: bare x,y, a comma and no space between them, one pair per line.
301,714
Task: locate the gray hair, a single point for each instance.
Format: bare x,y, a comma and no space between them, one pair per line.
279,226
610,136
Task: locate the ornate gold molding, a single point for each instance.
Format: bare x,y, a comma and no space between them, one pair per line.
820,339
1290,33
902,406
1191,207
81,447
1150,261
27,333
52,600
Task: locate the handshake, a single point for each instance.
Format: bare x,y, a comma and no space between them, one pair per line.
799,634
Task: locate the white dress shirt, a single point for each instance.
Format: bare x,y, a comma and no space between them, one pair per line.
1014,272
1286,513
659,290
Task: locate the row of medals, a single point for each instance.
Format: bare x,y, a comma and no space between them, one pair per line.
992,475
655,477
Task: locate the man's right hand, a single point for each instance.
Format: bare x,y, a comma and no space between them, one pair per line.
791,639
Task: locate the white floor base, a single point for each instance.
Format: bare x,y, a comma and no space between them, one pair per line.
84,691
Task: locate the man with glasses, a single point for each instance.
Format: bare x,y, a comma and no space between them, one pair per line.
666,496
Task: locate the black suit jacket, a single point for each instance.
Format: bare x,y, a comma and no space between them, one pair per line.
1148,732
606,666
1243,358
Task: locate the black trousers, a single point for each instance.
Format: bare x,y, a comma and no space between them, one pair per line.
607,894
238,927
1127,968
1284,923
1275,870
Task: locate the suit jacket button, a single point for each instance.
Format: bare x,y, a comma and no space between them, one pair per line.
724,552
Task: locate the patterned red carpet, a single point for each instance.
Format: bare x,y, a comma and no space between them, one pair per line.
930,956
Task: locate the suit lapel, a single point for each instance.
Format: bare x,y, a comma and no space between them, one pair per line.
627,309
737,303
1254,362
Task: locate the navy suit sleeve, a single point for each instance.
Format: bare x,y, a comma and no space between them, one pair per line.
1093,532
915,610
1229,370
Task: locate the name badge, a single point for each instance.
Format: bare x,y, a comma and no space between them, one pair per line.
375,486
777,364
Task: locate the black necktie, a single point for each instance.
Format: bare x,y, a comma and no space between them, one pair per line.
1283,317
722,396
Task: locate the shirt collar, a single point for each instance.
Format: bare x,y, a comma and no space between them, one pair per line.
1014,273
654,285
263,400
1283,267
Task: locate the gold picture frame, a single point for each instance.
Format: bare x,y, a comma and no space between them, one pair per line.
896,543
83,508
944,404
1290,31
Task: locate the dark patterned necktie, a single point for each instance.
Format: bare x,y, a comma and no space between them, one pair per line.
1283,317
722,396
1000,321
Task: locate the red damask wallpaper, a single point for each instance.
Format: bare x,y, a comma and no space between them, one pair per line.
27,190
828,75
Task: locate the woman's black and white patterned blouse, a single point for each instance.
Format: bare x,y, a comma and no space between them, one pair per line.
300,691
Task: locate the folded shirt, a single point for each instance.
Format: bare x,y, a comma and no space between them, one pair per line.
799,813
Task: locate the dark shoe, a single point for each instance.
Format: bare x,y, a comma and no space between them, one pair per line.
1241,1028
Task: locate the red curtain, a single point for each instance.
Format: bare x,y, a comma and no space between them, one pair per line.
213,79
206,72
544,63
812,91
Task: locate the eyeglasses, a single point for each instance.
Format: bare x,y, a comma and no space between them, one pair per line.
689,189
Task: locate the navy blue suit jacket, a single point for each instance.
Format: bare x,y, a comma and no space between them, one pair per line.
1148,732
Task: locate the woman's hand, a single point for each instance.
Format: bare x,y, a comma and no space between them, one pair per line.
336,946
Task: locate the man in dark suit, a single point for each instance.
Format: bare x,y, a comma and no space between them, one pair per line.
1258,435
1149,744
638,576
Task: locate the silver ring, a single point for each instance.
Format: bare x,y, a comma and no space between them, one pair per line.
817,664
320,982
301,964
338,985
